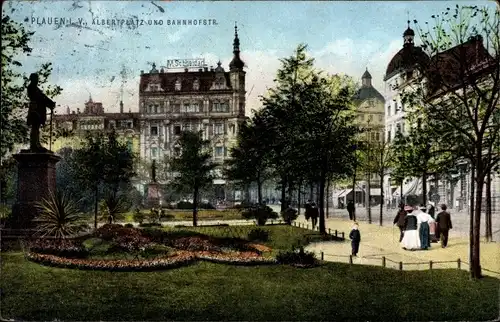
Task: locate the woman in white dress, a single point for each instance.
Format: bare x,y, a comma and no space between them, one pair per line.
411,238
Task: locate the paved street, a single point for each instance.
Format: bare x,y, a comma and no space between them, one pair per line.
377,241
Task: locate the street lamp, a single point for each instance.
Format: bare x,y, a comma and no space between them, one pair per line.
354,148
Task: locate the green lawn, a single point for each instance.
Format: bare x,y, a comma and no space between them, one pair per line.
206,291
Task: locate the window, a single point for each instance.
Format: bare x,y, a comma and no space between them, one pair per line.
389,110
187,127
389,136
377,135
130,125
220,107
154,153
195,107
361,117
178,85
370,117
177,130
196,84
176,108
380,118
154,130
219,129
219,151
398,127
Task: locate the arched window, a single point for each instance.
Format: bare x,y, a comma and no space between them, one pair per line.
178,84
196,84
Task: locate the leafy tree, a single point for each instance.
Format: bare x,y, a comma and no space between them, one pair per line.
193,168
250,158
15,44
281,114
102,165
459,91
328,130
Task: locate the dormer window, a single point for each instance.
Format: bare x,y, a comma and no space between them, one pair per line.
196,84
178,84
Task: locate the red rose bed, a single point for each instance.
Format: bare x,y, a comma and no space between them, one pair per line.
184,248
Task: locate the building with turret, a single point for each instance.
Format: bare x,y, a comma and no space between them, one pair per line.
403,71
210,100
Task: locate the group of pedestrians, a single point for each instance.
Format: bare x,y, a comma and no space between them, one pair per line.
419,227
312,212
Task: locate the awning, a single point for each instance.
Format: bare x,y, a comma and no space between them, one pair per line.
413,187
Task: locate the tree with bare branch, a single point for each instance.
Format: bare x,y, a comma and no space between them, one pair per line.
457,91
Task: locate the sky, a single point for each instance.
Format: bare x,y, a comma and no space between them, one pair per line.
100,60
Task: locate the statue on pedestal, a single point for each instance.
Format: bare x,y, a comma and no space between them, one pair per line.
37,116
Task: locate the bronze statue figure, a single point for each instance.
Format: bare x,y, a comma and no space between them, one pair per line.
153,171
37,116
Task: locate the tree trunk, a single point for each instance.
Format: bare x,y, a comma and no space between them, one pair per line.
96,205
322,228
283,194
381,198
401,192
195,206
489,230
298,198
471,219
367,194
327,198
259,191
311,191
424,188
476,263
354,195
290,193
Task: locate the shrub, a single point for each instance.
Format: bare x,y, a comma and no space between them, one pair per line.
150,224
129,225
289,215
206,205
184,205
261,213
296,258
59,216
167,217
258,235
138,216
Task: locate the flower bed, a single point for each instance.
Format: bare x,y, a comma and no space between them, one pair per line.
178,260
59,247
235,258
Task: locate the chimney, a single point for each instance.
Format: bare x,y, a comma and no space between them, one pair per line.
78,110
67,110
121,107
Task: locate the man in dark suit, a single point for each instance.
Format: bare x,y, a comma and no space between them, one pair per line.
399,220
350,210
444,221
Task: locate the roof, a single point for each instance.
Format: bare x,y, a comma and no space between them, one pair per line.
367,92
445,68
113,116
167,80
366,74
408,57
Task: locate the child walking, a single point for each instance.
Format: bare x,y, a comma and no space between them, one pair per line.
355,237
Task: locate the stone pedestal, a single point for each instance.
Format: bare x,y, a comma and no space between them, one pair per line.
153,196
36,179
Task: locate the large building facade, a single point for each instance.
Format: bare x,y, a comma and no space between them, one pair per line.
401,72
211,101
94,118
